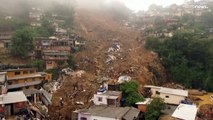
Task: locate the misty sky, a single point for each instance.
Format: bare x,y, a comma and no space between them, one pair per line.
144,4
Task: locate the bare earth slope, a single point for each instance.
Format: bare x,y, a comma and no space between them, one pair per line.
103,31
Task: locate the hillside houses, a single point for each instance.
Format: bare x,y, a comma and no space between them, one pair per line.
53,49
170,96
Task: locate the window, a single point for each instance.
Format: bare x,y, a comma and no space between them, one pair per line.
17,73
83,118
167,96
25,72
31,71
157,93
100,99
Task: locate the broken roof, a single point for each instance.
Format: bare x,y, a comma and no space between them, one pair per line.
185,112
111,112
13,97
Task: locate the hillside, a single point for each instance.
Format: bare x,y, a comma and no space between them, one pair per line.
111,50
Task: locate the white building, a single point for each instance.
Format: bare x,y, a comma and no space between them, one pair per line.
185,112
108,113
108,98
170,96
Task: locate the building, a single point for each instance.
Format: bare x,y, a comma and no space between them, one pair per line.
12,102
142,106
52,50
185,112
111,98
5,39
107,113
26,78
3,83
170,96
52,57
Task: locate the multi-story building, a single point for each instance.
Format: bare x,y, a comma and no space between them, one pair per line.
28,78
10,102
52,57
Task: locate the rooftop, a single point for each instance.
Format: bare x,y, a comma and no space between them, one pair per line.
145,102
174,91
179,92
111,112
185,112
112,93
13,97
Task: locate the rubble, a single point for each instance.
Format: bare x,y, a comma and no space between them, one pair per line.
124,78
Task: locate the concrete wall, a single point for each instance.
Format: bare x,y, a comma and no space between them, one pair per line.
172,99
102,118
85,116
154,90
97,102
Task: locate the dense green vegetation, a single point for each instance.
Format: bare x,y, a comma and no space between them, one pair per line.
188,57
22,42
154,109
130,93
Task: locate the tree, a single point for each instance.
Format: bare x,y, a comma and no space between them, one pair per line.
39,64
130,93
71,62
187,57
154,109
22,42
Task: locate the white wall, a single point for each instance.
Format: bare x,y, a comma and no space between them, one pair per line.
103,102
173,99
102,118
153,90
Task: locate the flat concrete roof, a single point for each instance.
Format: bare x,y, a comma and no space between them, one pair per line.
110,112
145,102
179,92
185,112
13,97
112,93
172,91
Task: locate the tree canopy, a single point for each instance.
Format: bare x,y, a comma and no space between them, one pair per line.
187,57
22,42
154,109
130,93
